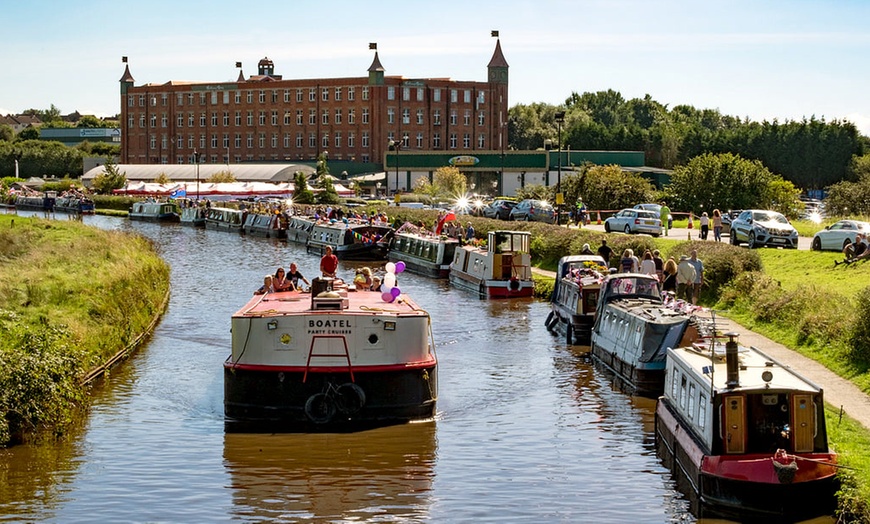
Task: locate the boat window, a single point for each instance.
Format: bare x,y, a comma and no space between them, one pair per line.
683,382
691,410
637,332
675,382
702,411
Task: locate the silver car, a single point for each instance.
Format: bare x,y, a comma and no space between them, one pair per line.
634,221
758,228
839,235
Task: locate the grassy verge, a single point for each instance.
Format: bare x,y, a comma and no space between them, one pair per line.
71,296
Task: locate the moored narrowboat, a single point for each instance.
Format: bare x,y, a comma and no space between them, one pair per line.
75,203
744,435
575,296
331,359
154,211
351,240
225,219
193,216
299,229
269,225
422,252
634,328
501,269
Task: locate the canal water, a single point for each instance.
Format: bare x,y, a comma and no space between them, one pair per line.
527,429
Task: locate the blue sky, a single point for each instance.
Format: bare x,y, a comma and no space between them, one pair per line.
762,60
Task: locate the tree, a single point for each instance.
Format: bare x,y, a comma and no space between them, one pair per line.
7,134
449,182
110,179
328,194
224,176
606,187
301,193
28,133
162,178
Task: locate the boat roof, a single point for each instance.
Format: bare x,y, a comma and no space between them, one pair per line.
753,363
300,303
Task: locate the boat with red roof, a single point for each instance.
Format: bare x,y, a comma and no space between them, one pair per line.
330,359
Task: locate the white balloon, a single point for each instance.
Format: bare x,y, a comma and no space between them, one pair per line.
389,280
390,267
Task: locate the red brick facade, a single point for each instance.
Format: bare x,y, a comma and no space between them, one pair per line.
269,118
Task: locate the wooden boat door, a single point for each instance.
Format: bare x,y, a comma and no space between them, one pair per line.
734,424
804,413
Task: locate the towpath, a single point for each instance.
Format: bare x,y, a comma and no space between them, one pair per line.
839,392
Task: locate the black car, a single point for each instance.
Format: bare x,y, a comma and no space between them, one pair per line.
500,209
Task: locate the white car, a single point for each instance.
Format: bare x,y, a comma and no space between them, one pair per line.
839,235
634,221
758,227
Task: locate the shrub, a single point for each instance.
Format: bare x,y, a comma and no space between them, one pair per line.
722,263
859,338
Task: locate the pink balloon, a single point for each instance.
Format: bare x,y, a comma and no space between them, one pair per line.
386,296
400,266
395,292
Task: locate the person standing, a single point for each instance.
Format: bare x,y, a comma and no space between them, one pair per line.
685,279
660,264
670,276
699,276
717,225
705,225
647,265
605,252
469,232
664,216
329,263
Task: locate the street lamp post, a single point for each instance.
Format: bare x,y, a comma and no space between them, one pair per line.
196,157
560,117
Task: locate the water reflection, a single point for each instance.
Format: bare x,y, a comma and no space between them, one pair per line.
383,475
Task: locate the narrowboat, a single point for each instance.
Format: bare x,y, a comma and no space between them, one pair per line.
329,359
269,225
224,219
351,240
634,328
575,296
299,229
193,216
154,211
744,435
423,253
36,202
75,204
501,269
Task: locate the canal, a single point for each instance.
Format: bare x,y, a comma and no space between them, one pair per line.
527,429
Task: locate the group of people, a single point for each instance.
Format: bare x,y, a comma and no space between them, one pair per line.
283,281
684,278
717,225
857,250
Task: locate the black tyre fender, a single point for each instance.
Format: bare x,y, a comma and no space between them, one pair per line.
319,408
569,333
350,398
548,322
606,227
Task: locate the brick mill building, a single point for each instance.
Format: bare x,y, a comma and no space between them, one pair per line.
267,118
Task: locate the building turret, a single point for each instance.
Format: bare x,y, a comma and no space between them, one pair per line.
376,70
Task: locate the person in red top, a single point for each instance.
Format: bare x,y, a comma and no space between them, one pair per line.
329,263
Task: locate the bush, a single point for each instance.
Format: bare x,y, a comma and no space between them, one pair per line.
859,339
722,263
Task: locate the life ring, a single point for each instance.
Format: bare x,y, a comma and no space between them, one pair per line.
349,398
514,284
319,408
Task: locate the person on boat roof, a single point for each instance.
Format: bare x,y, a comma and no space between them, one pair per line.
267,287
295,276
329,263
280,282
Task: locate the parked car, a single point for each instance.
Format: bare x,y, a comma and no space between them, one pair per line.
839,235
727,217
759,227
657,208
634,221
499,208
534,211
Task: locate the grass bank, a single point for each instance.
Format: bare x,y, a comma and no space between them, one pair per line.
71,297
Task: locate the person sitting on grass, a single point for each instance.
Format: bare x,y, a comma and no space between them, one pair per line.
857,250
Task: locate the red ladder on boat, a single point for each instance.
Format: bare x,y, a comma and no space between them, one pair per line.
312,354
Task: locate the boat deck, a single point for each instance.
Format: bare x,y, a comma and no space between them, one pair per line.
356,302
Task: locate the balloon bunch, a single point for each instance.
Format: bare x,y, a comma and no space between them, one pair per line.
389,290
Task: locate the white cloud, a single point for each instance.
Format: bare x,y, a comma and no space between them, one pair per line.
862,122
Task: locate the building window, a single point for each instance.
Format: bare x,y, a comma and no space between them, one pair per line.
179,121
466,141
338,116
274,140
237,97
226,118
163,142
365,93
466,118
238,118
436,117
261,140
350,139
226,140
298,117
325,94
202,141
324,142
365,139
286,140
250,118
274,118
141,100
420,94
466,96
338,139
312,140
299,140
351,93
481,97
312,94
436,95
312,117
262,97
419,140
481,118
298,94
261,118
365,158
153,142
237,141
274,96
391,93
324,117
154,120
454,96
249,140
131,101
452,140
420,116
189,141
391,115
191,119
436,140
202,99
453,117
249,96
214,141
214,119
351,116
365,115
406,93
131,121
481,141
202,120
179,99
337,93
142,121
287,118
406,115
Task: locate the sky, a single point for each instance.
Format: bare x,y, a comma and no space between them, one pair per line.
776,59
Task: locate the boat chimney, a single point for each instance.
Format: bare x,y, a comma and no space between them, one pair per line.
731,363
